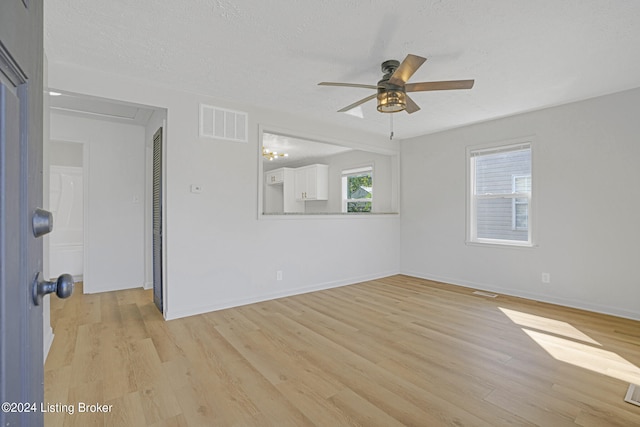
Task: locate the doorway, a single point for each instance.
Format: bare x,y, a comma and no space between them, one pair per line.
117,137
66,203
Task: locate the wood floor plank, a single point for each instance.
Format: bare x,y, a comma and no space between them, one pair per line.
80,397
539,411
361,412
156,394
63,347
125,411
319,409
177,421
86,360
56,390
116,361
392,351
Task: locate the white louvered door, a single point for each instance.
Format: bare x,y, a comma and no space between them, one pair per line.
157,220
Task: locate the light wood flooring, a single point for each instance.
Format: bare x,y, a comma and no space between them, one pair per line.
389,352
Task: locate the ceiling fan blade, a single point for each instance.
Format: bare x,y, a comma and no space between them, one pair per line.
355,104
406,69
445,85
412,107
347,85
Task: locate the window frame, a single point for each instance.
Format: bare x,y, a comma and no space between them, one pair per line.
472,199
386,149
356,171
516,202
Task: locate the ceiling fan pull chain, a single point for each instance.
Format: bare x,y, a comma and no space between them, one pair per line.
391,127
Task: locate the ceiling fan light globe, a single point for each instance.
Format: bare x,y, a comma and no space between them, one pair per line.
391,101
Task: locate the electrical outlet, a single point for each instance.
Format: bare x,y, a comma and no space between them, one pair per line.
546,278
279,275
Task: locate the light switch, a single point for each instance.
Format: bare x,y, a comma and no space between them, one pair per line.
196,188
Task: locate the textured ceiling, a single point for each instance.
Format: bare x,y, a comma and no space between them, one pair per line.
298,151
524,55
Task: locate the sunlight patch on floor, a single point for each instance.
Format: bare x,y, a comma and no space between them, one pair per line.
545,324
566,343
587,357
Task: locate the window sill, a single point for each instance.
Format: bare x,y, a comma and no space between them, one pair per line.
488,243
329,215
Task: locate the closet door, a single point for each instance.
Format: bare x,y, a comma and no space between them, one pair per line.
157,220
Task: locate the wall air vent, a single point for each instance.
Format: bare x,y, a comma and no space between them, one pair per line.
633,395
485,294
220,123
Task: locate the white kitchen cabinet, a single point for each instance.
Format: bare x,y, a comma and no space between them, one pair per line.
275,176
312,182
279,194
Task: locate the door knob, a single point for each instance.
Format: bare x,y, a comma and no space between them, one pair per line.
63,287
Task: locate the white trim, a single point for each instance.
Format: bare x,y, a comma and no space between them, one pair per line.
346,173
358,170
394,153
316,216
500,148
582,305
515,203
323,139
221,305
500,243
512,145
85,217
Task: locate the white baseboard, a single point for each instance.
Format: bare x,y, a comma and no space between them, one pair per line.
148,285
221,305
582,305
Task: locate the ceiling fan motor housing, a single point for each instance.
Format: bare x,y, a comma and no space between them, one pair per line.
391,98
389,67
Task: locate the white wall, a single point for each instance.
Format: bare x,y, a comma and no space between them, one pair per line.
64,153
586,207
115,199
218,253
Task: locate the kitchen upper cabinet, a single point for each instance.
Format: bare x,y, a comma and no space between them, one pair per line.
275,176
312,182
279,194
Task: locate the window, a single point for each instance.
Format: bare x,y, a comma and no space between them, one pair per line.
520,219
357,189
500,195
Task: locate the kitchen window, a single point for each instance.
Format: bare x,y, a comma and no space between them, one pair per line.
357,189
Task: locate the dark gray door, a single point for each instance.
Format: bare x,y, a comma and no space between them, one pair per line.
21,358
157,219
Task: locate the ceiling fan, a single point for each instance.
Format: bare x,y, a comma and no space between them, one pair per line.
392,89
